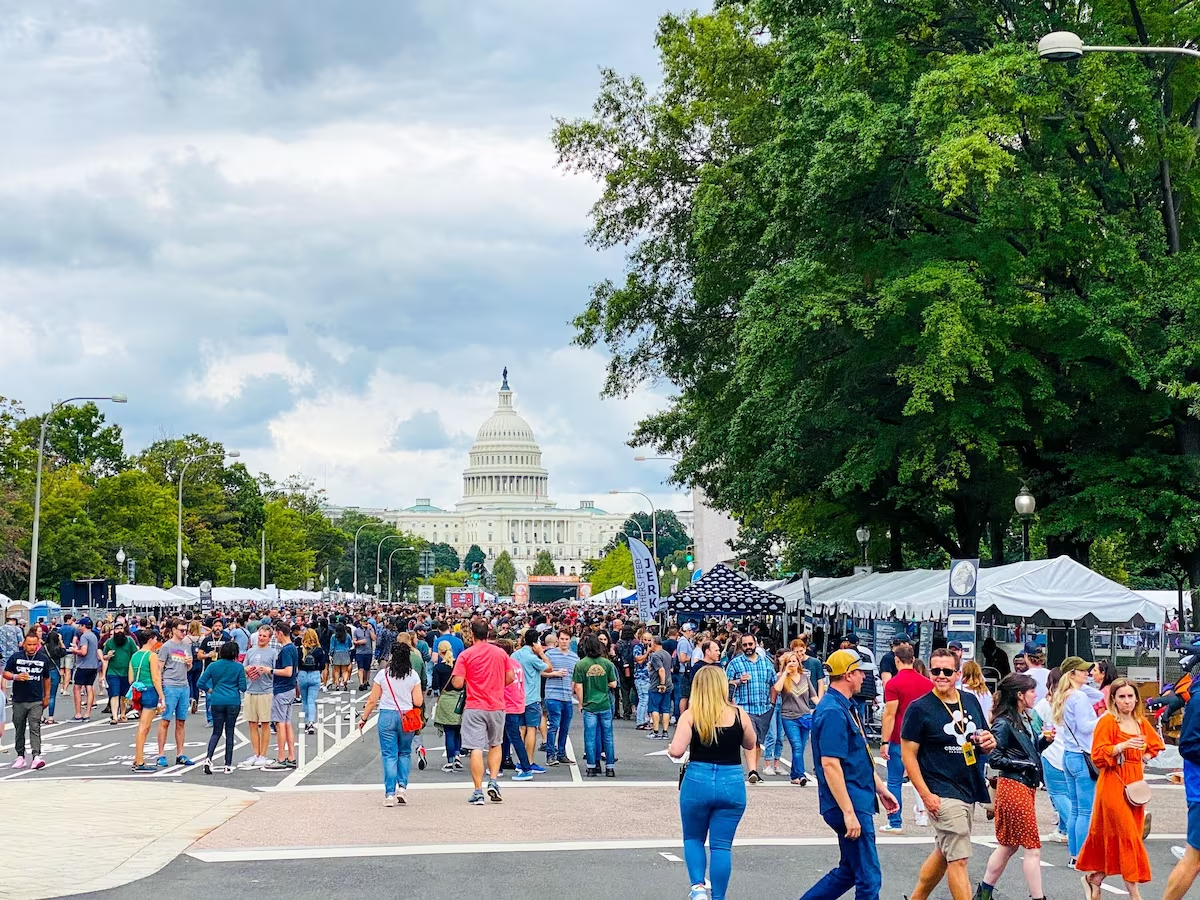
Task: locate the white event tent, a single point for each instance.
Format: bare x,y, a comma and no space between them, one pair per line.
1059,589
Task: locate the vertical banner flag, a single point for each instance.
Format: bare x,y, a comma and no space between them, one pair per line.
645,574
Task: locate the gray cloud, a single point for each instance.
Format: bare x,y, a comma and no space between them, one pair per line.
249,216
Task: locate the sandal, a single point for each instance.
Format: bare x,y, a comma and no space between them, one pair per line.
112,721
1090,889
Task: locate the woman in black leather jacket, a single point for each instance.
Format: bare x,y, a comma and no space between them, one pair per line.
1018,763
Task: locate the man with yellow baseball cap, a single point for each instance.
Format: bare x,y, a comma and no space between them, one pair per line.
848,788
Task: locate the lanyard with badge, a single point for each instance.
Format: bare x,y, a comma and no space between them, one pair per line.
960,729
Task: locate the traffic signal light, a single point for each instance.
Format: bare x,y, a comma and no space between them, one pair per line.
690,557
476,571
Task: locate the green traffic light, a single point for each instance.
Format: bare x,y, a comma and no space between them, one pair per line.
689,558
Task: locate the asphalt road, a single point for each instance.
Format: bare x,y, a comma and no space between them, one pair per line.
769,873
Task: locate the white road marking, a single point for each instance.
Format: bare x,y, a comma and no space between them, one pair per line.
576,775
276,854
670,857
330,752
1113,890
59,762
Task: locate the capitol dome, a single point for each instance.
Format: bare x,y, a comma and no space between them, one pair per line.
505,463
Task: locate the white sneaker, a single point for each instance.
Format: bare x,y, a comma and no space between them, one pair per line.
389,800
1178,852
400,796
768,770
923,819
208,767
1056,837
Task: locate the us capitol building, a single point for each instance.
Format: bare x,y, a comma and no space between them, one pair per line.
506,503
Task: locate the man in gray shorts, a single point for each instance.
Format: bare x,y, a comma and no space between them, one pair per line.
483,669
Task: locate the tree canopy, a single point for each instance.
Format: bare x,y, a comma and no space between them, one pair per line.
896,267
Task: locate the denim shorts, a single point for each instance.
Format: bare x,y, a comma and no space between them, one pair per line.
1193,826
660,701
178,698
118,685
532,717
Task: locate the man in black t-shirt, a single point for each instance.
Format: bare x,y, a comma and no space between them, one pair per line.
28,673
944,743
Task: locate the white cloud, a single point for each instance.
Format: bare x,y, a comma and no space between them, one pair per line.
226,375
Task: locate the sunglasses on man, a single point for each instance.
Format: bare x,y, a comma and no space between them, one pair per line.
944,673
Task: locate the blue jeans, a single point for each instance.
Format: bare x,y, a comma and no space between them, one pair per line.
676,693
1082,791
395,746
558,726
712,800
773,744
859,864
453,736
310,686
895,781
1060,794
797,732
512,737
643,692
598,735
55,681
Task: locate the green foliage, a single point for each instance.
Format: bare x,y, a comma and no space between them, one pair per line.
896,266
544,564
474,555
505,574
615,568
445,557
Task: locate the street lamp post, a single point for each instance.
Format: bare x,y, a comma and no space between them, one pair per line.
864,536
186,563
360,528
390,555
121,562
653,520
378,551
1064,46
37,490
179,513
233,574
1026,506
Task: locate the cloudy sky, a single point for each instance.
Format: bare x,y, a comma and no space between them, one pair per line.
314,231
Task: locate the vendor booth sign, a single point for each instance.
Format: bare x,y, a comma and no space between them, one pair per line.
960,604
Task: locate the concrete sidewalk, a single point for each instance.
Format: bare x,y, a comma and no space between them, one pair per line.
114,832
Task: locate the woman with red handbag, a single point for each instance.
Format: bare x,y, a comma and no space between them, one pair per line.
1123,740
396,691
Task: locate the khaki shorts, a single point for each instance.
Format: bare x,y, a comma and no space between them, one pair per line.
257,707
952,828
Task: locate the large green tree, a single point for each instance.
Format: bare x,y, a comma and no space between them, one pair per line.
896,267
544,564
505,574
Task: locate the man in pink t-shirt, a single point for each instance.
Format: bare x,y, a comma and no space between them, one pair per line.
483,670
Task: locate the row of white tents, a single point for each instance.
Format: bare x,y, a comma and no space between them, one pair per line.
1056,589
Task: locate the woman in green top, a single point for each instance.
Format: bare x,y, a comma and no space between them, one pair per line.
225,680
118,651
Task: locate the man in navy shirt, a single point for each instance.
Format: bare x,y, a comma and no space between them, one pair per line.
1188,867
847,784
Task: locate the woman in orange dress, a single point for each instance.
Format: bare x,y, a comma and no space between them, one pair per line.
1123,740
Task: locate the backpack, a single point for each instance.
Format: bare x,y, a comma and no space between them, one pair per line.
309,658
869,690
626,657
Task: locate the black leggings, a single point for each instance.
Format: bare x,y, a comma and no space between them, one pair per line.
224,718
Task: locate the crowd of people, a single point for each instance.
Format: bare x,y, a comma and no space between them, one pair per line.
503,687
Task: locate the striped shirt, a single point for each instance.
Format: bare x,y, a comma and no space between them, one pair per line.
755,695
560,688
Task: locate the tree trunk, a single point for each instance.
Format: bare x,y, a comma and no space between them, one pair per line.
997,531
896,550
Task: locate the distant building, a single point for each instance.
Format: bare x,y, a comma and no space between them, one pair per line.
506,503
